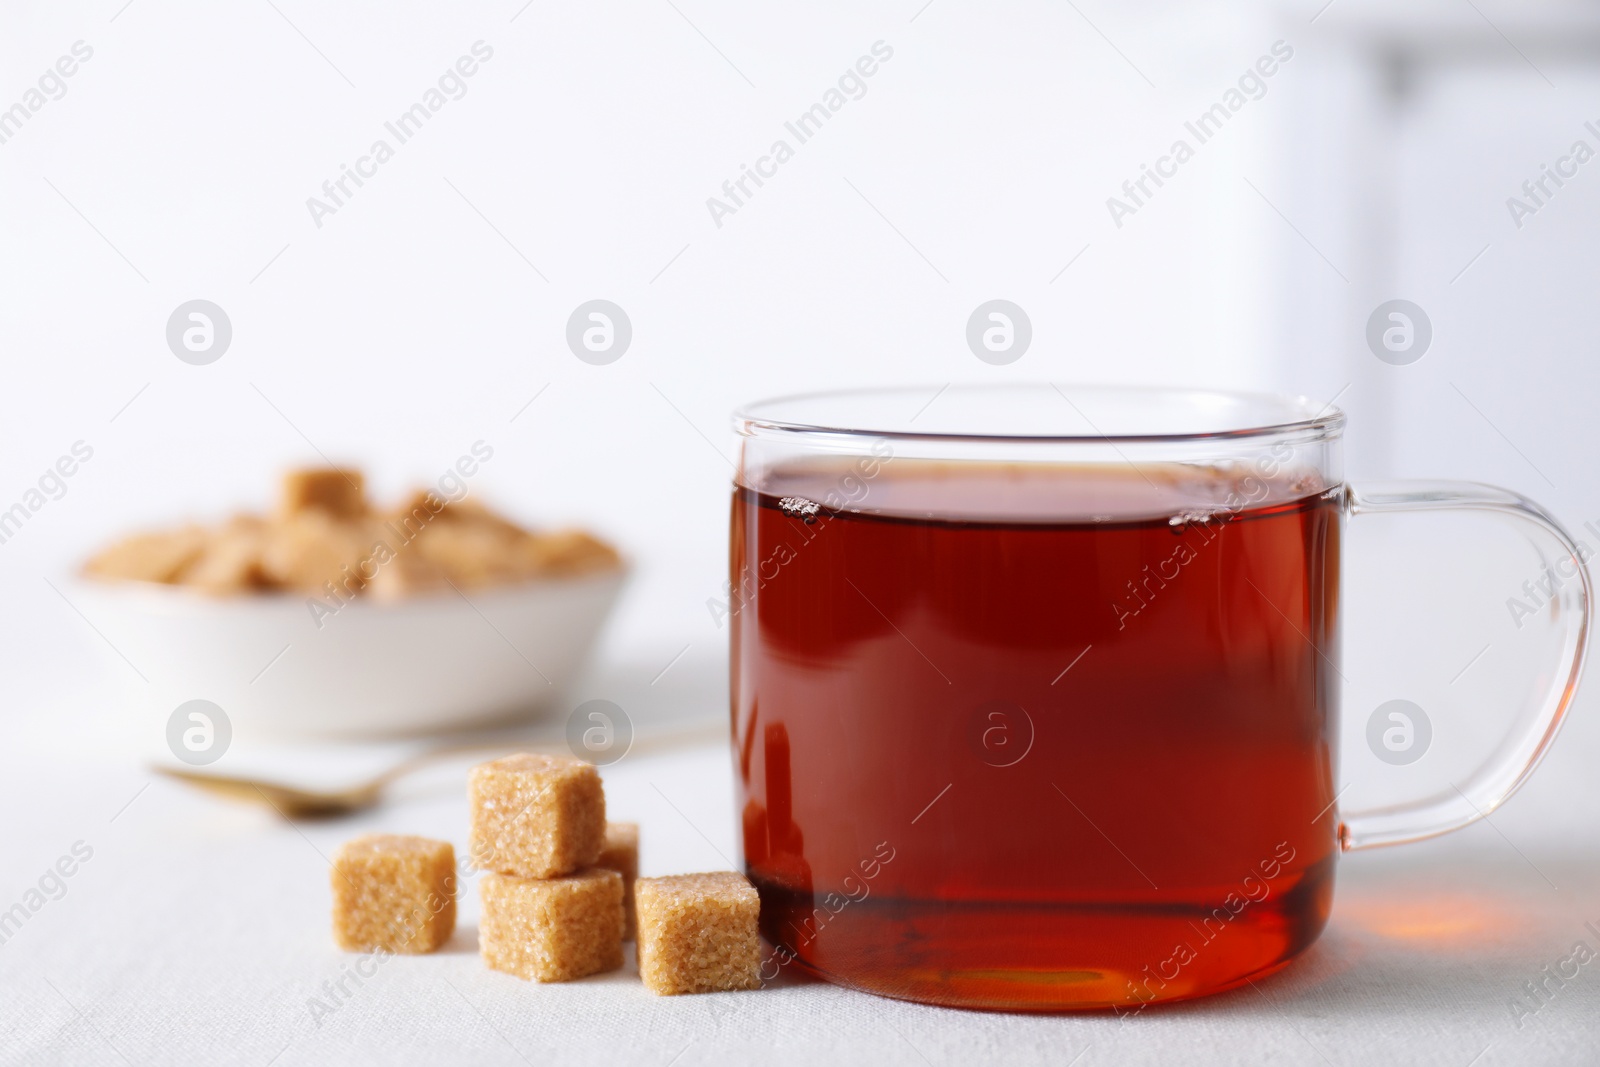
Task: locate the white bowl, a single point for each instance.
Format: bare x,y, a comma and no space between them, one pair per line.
371,669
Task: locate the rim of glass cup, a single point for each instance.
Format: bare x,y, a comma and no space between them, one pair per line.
1298,415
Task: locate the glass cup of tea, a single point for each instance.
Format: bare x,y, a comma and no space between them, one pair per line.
1035,690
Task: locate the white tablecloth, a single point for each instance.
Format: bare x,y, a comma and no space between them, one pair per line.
196,931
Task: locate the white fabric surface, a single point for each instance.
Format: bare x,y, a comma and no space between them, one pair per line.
198,933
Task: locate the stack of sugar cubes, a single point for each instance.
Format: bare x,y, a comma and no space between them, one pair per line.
560,894
560,890
551,911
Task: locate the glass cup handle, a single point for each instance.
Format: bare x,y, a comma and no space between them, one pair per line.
1511,764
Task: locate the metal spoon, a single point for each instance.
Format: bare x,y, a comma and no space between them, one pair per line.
299,802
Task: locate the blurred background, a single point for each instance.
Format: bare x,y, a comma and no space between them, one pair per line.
1340,155
1384,158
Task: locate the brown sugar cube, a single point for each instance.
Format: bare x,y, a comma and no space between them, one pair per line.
536,816
393,892
405,574
339,493
621,854
697,933
230,562
473,513
566,553
552,930
149,557
307,551
474,554
413,515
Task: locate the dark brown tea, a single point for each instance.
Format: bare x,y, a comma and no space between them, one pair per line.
1036,737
